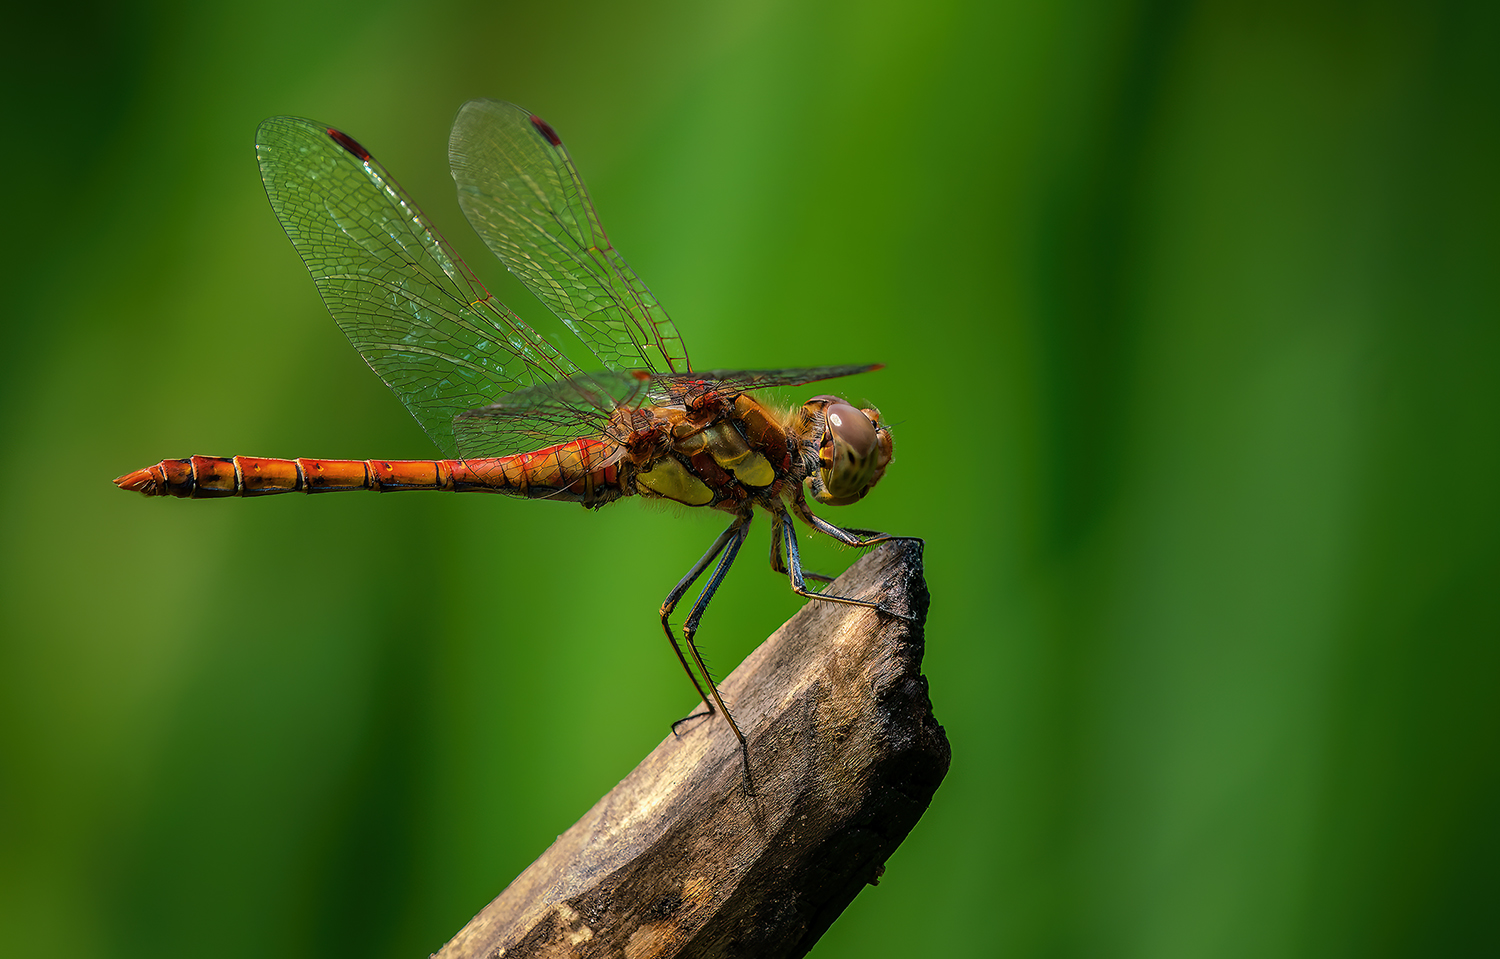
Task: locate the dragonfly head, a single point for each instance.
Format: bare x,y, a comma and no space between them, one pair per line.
853,452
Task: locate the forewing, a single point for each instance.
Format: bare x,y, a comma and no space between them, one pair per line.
416,313
522,194
693,387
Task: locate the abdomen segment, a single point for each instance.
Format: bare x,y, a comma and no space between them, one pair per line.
573,472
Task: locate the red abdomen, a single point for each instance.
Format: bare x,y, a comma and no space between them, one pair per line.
581,471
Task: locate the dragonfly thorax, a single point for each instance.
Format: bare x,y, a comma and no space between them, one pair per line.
723,453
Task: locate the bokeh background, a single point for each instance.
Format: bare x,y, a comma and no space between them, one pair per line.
1191,315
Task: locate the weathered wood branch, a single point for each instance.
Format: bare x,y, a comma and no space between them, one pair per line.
684,858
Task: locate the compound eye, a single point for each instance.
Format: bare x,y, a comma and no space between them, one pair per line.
851,428
851,456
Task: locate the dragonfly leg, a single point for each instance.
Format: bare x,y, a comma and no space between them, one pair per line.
777,566
799,578
733,538
741,529
858,538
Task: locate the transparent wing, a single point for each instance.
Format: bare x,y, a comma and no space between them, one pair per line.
522,194
695,387
549,413
416,313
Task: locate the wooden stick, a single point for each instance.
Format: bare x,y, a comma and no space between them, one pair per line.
684,857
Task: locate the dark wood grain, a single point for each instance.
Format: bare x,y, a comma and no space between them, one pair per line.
685,858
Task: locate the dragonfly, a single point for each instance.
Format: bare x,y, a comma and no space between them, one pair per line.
511,413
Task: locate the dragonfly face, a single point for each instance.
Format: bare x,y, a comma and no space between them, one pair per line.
853,450
513,413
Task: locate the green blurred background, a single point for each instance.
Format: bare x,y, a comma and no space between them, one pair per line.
1190,316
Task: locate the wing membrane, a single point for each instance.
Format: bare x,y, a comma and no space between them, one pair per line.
687,388
411,307
522,194
548,414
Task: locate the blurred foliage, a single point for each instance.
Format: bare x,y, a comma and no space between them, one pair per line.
1190,316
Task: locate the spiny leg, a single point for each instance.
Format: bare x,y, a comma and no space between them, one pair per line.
777,566
794,568
740,529
737,528
734,538
857,538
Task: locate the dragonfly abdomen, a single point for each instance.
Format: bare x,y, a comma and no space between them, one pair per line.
568,472
205,477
